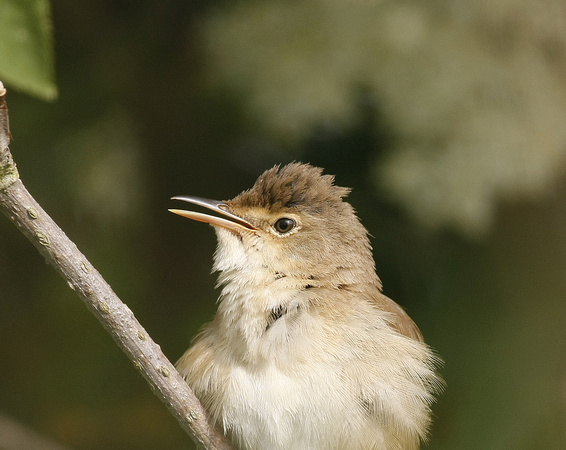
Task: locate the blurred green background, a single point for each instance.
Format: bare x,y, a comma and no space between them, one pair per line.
447,118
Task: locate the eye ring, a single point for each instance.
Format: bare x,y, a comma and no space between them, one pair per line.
284,225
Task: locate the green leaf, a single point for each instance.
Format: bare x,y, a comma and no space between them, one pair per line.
26,47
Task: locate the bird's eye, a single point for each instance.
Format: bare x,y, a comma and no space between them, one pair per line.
284,225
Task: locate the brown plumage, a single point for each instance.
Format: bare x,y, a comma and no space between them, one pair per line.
305,351
293,186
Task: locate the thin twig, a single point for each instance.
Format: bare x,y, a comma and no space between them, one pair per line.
59,251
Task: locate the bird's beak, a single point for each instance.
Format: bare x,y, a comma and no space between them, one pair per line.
236,224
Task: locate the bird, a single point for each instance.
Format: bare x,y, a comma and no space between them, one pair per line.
305,351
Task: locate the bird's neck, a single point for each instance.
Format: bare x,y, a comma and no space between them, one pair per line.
263,310
258,307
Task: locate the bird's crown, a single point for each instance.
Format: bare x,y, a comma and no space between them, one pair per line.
296,185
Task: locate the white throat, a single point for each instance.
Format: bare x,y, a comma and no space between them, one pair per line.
259,305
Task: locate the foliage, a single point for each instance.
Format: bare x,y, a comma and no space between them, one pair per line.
26,47
474,90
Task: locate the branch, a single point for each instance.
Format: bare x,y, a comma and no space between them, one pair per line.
59,251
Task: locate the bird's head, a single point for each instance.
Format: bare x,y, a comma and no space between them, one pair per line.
293,221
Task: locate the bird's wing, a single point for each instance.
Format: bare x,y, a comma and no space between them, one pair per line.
402,323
